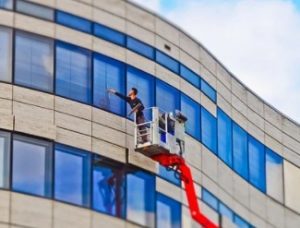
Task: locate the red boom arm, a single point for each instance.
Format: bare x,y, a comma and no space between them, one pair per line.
172,160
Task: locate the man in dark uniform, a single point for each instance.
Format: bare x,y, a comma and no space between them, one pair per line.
136,106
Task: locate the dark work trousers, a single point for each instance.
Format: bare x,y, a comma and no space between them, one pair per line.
140,119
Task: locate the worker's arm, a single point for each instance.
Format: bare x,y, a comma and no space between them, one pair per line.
119,94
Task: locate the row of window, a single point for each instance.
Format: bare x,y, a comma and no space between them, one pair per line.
114,36
223,210
42,168
85,76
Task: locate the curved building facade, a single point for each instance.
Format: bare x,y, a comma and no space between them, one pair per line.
67,157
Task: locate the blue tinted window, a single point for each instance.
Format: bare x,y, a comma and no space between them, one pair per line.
241,223
257,175
72,175
140,47
209,130
73,21
73,72
32,166
7,4
141,198
169,175
168,212
108,73
210,199
224,137
4,159
167,61
145,85
190,76
208,90
167,97
34,61
108,188
5,54
240,150
191,110
109,34
35,10
225,211
274,175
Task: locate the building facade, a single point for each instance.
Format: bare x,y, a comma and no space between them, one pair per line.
67,157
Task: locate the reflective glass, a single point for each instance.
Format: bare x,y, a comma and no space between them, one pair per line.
141,198
167,97
32,166
224,137
168,212
72,175
34,61
34,10
226,211
4,159
191,109
210,199
5,54
257,171
7,4
240,150
241,223
209,130
73,21
169,175
140,47
109,34
190,76
167,61
209,91
274,175
73,72
108,73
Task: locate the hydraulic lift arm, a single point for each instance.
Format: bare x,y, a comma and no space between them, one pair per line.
177,162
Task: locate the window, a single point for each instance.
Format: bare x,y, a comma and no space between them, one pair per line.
140,47
5,53
191,110
225,211
257,175
141,198
73,72
241,223
167,97
108,187
210,199
145,85
34,61
73,21
109,34
7,4
72,175
4,159
224,137
209,130
240,150
32,166
167,61
208,91
169,175
35,10
108,73
168,212
190,76
274,175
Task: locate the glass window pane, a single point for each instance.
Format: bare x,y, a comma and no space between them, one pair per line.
72,175
4,159
109,73
34,61
32,166
167,61
73,72
108,188
7,4
225,211
169,175
240,150
274,174
140,47
224,137
190,76
209,91
73,21
5,54
109,34
141,198
35,10
241,223
209,130
210,199
168,212
257,175
191,110
167,97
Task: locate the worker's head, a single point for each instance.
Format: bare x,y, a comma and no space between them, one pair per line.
133,92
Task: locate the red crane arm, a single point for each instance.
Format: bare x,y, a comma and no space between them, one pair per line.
177,162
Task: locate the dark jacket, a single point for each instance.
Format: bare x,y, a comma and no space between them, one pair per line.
133,103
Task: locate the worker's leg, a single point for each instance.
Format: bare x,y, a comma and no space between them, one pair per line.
142,129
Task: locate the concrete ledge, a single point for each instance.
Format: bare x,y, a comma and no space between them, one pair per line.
168,189
6,18
142,161
4,206
102,220
7,122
